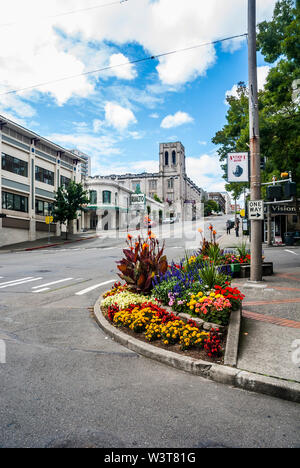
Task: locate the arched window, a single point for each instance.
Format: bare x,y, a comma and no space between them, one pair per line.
166,158
174,157
93,197
106,197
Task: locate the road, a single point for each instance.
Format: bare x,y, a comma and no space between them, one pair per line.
65,383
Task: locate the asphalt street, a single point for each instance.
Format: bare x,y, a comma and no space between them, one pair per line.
64,383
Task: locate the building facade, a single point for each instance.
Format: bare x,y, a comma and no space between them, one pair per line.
31,170
84,167
111,207
171,186
219,199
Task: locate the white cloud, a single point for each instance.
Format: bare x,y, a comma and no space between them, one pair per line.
175,120
118,117
206,172
97,125
124,72
57,47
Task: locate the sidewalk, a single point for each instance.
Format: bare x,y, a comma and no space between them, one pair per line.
270,331
43,243
230,240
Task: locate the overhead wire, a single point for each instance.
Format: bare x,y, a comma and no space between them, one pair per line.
70,12
132,62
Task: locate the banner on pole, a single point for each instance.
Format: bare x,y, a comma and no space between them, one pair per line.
238,167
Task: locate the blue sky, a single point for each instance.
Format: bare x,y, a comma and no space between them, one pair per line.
120,116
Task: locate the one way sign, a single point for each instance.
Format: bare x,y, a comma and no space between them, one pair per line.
256,209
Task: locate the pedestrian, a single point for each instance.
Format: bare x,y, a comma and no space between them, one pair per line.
228,226
237,227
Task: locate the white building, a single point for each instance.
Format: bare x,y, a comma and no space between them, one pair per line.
31,170
84,168
110,206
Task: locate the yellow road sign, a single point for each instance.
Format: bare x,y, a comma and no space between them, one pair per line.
49,219
242,213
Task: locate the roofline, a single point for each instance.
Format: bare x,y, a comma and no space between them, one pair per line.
33,135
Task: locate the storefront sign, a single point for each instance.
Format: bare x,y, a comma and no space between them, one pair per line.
283,209
238,167
138,201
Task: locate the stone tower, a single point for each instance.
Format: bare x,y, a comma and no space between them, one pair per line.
172,176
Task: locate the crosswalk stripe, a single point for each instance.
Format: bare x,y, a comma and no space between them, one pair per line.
16,280
41,290
20,282
84,291
50,284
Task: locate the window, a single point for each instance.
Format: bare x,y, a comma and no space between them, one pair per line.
135,185
174,157
43,208
106,197
170,183
11,201
152,184
64,181
15,165
43,175
93,197
116,199
166,158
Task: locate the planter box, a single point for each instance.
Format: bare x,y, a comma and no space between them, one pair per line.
235,267
267,270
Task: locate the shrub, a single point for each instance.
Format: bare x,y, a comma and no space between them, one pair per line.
143,260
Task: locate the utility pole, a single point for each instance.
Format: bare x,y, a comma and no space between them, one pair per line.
255,180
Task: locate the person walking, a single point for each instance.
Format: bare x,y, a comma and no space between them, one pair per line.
228,226
237,227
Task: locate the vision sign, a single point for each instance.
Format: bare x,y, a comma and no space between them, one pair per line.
238,167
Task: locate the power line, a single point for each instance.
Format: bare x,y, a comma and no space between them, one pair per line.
132,62
71,12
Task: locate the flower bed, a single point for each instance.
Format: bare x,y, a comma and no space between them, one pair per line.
198,286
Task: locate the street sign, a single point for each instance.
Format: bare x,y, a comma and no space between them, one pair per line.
49,219
243,213
238,167
256,209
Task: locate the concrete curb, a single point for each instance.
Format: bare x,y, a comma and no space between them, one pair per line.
233,337
47,246
221,374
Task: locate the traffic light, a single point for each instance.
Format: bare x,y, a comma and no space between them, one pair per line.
274,192
262,164
290,189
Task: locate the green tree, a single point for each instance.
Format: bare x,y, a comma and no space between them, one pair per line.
68,202
278,41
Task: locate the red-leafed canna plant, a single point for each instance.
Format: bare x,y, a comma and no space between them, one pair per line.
143,260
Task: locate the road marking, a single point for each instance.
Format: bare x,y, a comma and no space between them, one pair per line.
84,291
20,282
290,251
21,279
41,290
50,284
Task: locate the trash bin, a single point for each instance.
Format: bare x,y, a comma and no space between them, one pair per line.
289,238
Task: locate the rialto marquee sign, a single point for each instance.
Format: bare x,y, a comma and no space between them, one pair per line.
238,167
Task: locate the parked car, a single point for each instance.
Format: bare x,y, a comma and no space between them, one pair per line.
169,221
